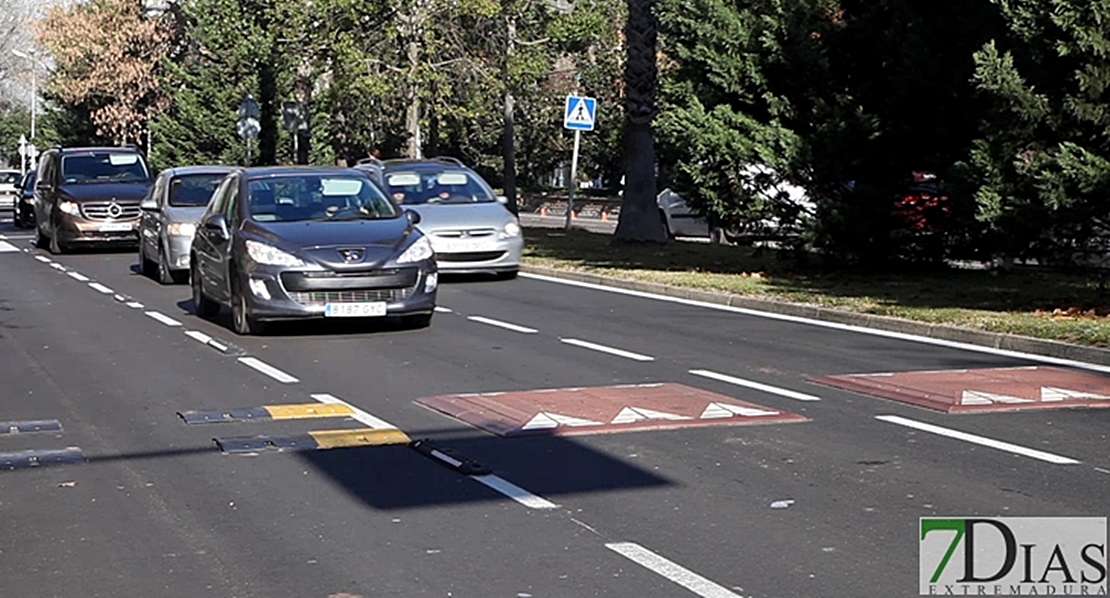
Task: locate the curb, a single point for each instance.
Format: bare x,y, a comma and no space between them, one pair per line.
995,340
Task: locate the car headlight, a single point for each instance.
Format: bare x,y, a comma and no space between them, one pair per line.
69,207
182,229
419,251
271,256
511,230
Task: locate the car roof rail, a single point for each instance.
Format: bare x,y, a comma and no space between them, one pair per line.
370,160
448,159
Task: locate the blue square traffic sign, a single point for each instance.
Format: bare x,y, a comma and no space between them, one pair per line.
578,115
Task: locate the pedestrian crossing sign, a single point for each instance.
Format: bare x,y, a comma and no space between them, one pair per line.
579,113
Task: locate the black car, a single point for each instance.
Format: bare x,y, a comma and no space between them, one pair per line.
306,242
89,196
23,214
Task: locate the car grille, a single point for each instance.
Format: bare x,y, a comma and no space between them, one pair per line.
471,233
476,256
105,211
319,298
393,278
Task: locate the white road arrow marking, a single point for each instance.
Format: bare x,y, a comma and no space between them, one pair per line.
1050,393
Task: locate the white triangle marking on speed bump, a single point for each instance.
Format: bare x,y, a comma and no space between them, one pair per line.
546,421
631,414
974,397
719,410
1050,393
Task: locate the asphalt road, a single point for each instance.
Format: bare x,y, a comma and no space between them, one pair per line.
154,509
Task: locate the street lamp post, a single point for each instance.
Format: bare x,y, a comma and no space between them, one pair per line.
34,84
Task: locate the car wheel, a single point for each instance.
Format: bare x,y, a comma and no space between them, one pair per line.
241,321
56,246
145,264
17,217
41,241
165,275
202,305
417,321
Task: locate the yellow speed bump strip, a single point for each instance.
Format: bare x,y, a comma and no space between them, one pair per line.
318,439
268,413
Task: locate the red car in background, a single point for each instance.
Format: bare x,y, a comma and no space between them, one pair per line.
924,203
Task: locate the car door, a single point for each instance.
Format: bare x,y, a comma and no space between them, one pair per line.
150,227
44,189
206,243
222,248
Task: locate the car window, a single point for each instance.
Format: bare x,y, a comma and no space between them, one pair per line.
317,197
432,186
219,198
9,178
193,190
231,203
29,181
103,167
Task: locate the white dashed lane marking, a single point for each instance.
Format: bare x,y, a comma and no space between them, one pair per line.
99,287
43,259
671,570
268,369
78,276
163,318
356,413
790,394
980,440
442,310
6,247
515,492
500,324
605,349
134,305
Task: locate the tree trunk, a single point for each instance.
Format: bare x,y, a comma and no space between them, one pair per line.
413,146
270,109
639,219
508,142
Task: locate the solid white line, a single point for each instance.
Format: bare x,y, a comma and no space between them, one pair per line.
980,440
168,321
134,305
609,350
43,259
790,394
6,247
515,492
671,570
500,324
357,414
198,336
78,276
268,369
443,310
101,288
833,325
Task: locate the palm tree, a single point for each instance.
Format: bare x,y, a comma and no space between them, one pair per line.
639,219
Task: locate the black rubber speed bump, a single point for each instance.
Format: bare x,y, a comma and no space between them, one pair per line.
30,427
449,458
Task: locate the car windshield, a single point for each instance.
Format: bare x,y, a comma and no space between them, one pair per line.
318,197
436,187
9,178
103,167
194,190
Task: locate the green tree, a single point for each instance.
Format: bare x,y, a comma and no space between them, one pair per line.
1041,167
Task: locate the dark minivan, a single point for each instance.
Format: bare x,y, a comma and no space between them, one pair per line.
89,196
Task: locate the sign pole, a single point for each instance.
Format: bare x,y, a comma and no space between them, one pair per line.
573,177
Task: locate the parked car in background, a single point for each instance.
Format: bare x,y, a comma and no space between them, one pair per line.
309,242
682,220
89,196
23,215
470,227
9,188
171,212
375,168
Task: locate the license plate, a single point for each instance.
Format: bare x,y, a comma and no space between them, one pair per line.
114,227
354,310
457,246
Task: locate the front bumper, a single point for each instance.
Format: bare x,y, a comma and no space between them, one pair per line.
178,247
500,255
72,230
270,296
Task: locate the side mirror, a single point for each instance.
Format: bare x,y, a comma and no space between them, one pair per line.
43,186
413,216
148,205
504,200
217,225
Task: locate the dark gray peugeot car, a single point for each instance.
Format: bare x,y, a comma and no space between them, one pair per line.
307,242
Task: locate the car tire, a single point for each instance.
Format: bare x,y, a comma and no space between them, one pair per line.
56,246
162,269
241,321
417,321
145,265
202,305
17,217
